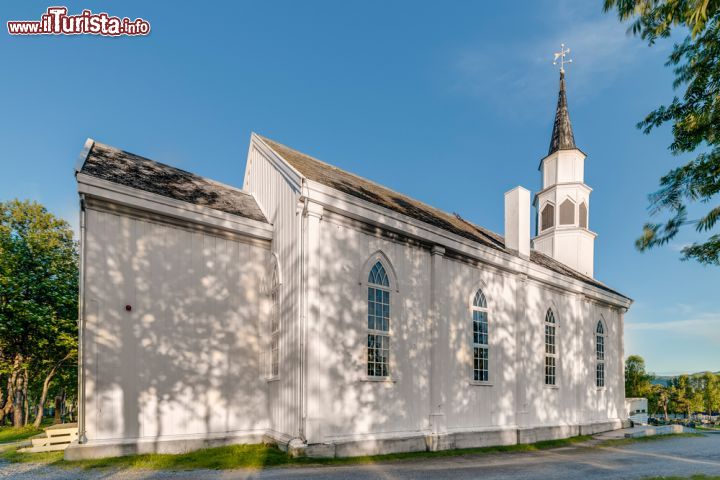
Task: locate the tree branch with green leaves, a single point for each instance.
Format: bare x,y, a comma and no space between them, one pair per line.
695,119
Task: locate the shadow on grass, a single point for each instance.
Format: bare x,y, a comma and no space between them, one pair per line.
261,456
257,456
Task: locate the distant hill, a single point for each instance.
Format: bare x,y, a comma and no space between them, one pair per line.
665,380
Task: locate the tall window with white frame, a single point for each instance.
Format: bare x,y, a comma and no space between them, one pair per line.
274,370
550,349
378,322
600,355
481,371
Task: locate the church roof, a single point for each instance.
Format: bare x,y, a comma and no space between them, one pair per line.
562,135
124,168
359,187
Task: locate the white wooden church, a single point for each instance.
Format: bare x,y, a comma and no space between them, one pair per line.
334,316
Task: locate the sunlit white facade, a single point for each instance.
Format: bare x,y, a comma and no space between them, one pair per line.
345,319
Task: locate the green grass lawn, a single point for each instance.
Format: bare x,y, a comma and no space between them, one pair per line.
260,456
256,456
11,434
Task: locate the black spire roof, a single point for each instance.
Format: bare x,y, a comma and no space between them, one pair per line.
562,134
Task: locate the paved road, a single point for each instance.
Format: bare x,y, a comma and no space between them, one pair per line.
681,456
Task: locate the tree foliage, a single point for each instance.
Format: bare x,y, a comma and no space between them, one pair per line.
38,305
695,118
637,380
685,394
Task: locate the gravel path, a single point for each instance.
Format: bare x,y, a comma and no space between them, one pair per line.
681,456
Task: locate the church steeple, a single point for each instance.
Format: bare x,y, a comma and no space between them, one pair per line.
563,202
562,135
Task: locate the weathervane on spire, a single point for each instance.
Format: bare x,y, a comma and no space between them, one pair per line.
561,57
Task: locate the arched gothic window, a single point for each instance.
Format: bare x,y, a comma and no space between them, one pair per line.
378,322
583,215
550,349
600,355
274,370
547,219
567,212
480,338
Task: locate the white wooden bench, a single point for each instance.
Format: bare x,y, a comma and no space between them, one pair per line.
55,438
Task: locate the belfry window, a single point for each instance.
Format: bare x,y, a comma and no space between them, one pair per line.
583,215
550,349
547,217
567,212
600,355
378,322
480,338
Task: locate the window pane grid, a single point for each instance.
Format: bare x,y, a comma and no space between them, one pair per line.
480,364
550,371
550,349
600,355
480,338
378,276
378,309
378,322
378,355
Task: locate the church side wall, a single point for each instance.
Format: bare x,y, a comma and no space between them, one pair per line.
183,360
353,405
515,397
279,199
474,405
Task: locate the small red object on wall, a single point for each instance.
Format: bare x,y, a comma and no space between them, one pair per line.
128,308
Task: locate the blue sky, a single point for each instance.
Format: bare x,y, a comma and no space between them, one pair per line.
449,102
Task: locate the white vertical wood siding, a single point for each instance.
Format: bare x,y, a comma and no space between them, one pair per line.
351,404
516,395
185,361
279,198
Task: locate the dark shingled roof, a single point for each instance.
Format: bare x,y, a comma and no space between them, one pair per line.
124,168
562,135
367,190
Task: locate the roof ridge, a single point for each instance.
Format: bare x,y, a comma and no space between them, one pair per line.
342,170
379,185
331,176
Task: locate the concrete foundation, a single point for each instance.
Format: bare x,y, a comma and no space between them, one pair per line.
450,441
102,449
347,448
593,428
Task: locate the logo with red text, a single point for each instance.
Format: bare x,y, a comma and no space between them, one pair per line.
56,21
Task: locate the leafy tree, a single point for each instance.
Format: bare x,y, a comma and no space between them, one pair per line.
637,380
685,396
695,117
711,392
38,304
659,400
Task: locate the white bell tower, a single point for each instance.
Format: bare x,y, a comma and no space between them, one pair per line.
563,204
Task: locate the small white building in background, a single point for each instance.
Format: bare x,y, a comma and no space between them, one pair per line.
637,410
334,315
